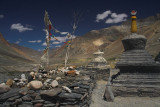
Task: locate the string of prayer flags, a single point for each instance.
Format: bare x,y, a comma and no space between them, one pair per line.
45,50
49,37
56,38
57,31
69,42
46,18
50,34
68,35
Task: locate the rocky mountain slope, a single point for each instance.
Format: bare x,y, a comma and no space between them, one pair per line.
109,41
12,58
33,54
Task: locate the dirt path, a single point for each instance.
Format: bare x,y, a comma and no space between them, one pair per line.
97,94
97,99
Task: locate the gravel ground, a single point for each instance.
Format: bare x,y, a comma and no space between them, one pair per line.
97,99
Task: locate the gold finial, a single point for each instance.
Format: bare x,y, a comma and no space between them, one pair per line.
133,24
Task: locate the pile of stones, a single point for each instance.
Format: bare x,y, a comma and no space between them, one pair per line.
56,91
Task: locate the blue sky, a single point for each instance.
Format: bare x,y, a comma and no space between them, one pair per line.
21,21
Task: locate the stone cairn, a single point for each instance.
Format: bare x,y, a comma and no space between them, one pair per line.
139,74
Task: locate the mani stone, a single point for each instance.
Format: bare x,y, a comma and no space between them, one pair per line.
135,58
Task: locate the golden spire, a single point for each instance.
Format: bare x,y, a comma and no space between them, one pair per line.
133,24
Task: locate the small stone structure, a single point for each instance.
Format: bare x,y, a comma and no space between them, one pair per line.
99,61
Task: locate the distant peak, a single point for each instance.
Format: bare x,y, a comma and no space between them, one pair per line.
3,40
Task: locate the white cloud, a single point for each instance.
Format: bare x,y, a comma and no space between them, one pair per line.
19,40
56,42
64,33
20,27
111,17
44,44
58,46
116,18
109,20
103,15
32,41
40,49
35,41
1,16
39,41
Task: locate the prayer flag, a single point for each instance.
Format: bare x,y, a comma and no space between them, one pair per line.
56,39
50,27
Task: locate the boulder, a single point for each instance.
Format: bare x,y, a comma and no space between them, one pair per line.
4,88
38,105
9,94
54,83
9,82
35,85
70,95
26,104
77,73
37,101
13,98
27,98
58,78
17,102
51,92
49,105
38,97
67,89
48,80
23,91
80,90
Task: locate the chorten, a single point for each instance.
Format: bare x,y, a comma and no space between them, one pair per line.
98,62
135,58
139,74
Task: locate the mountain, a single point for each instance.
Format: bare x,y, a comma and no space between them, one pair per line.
19,58
109,41
12,58
33,54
